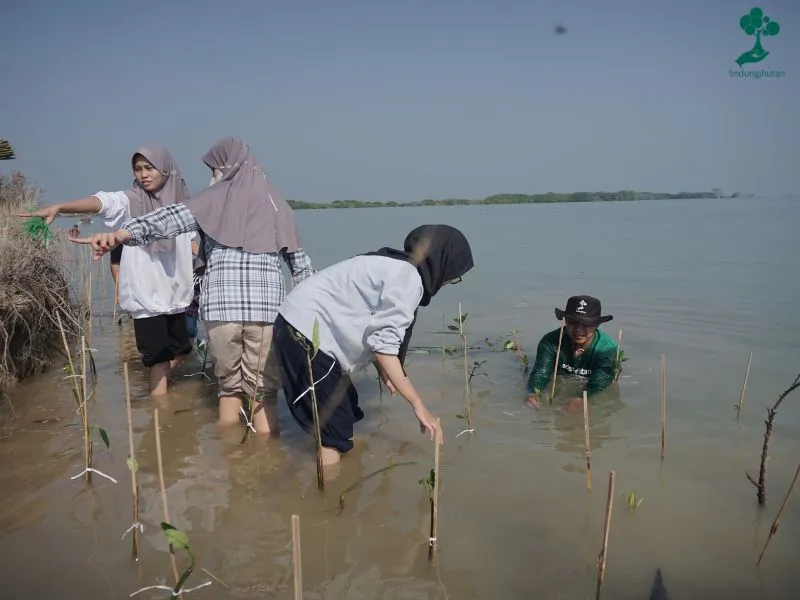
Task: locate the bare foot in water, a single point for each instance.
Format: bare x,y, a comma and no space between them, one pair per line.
330,456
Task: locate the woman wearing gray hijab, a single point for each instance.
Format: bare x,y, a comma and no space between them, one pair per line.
246,229
155,280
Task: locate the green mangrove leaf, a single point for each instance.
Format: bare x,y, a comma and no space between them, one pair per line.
452,328
132,463
104,436
176,537
315,338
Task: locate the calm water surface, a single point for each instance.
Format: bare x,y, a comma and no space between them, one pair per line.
703,282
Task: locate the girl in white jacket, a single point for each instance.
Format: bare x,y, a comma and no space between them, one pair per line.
155,281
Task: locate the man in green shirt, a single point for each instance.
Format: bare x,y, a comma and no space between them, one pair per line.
586,352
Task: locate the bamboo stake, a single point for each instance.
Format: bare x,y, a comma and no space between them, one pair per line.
164,495
555,365
132,466
744,387
297,559
89,306
619,349
444,338
255,391
85,414
116,300
466,370
75,389
434,542
601,559
317,433
104,285
777,522
663,404
588,447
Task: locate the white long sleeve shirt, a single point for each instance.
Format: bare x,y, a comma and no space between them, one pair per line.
363,305
150,283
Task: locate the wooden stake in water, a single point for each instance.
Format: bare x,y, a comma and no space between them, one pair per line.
744,387
776,523
588,447
87,450
619,349
555,365
663,404
297,558
317,432
444,338
466,370
132,465
601,559
434,542
164,495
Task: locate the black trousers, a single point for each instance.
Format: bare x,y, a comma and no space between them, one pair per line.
337,398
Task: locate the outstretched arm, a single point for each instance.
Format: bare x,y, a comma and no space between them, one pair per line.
299,264
161,224
542,369
88,205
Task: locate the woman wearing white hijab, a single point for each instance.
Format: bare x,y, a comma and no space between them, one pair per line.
155,280
247,229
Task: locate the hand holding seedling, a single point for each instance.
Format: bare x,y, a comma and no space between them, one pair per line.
48,213
102,243
534,401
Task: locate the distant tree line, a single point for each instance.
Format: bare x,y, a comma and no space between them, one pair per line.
548,198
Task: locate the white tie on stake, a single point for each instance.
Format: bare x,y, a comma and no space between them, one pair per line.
173,594
314,383
131,528
247,419
93,470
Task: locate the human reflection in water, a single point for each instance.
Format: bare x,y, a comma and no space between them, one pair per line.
569,425
185,460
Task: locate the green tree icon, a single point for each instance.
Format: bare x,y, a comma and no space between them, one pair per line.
757,23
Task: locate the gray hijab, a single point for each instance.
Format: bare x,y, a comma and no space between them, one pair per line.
243,210
173,191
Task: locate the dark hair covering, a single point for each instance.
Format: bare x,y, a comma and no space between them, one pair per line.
440,253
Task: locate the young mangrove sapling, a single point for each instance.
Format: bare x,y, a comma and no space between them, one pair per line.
770,423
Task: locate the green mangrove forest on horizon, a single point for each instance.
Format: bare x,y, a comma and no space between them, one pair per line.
550,197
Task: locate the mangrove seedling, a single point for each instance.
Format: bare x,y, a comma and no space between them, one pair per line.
770,423
177,539
37,229
617,366
476,370
459,326
633,501
311,353
251,413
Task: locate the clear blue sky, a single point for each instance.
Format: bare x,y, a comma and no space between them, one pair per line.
404,99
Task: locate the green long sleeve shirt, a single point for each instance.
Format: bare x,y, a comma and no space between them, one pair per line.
596,363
